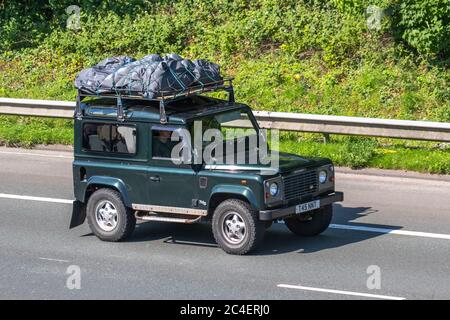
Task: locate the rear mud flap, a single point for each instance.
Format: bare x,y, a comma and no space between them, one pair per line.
78,214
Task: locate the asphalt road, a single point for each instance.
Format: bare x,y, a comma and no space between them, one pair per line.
398,223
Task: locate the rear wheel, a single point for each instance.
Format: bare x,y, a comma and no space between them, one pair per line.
311,225
108,217
236,227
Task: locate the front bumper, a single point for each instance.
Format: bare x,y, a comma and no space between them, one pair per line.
267,215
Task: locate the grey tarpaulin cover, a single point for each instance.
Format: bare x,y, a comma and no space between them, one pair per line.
151,76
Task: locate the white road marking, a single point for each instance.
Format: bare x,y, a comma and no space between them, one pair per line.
392,231
43,199
57,260
348,293
37,154
332,226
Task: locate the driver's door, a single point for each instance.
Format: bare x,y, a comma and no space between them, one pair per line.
169,184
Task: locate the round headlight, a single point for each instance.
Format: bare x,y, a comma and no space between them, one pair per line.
322,176
273,189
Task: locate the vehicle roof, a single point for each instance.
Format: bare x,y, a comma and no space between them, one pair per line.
178,111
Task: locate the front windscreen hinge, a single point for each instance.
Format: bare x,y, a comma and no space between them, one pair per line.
230,91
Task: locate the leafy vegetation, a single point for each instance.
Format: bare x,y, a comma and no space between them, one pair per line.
310,56
376,153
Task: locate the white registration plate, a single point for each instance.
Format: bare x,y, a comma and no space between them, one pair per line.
308,206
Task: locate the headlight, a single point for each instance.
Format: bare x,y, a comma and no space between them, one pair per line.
322,176
273,189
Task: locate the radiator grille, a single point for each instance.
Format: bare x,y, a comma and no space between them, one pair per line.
300,184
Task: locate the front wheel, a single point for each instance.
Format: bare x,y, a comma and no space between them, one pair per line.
108,217
236,227
317,223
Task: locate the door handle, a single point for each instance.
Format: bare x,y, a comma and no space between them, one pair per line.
155,178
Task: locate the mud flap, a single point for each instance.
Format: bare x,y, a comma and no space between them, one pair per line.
78,214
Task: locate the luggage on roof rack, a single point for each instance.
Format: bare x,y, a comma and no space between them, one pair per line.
148,77
152,78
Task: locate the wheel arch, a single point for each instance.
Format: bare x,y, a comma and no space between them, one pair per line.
225,192
96,182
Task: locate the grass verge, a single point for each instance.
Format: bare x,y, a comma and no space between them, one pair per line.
358,152
355,152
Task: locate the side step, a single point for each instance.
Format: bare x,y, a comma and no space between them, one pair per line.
155,217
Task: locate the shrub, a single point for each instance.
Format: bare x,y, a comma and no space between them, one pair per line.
359,151
425,25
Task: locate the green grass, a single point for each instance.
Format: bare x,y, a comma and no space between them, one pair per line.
358,152
308,56
354,152
27,132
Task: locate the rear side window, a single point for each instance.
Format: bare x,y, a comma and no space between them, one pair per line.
111,138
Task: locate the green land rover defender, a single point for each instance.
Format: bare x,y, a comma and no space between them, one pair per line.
124,170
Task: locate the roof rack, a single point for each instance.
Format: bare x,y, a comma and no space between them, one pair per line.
164,97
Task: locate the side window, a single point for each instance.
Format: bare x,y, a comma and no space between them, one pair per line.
123,139
96,137
162,143
110,138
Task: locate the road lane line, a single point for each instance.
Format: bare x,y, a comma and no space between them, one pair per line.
36,154
349,293
56,260
332,226
43,199
392,231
